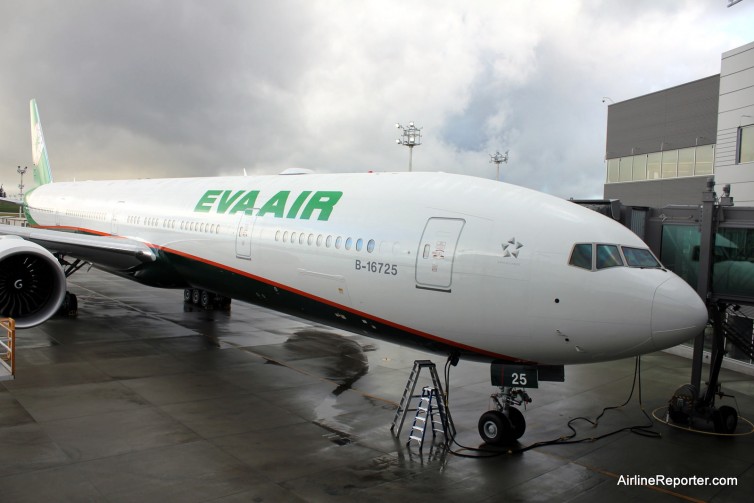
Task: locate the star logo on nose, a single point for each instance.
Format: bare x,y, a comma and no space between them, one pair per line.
511,248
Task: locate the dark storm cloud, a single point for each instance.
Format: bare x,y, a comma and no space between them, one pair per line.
185,88
177,73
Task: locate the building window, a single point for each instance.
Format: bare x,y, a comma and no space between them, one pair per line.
705,156
613,170
654,165
686,162
640,167
691,161
670,164
626,165
746,144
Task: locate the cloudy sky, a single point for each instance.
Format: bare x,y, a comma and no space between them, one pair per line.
196,88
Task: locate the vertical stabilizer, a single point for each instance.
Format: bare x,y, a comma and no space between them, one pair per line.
42,171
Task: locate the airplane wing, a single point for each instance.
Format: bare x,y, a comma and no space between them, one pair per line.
111,252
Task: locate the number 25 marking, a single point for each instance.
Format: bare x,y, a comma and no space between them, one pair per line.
518,379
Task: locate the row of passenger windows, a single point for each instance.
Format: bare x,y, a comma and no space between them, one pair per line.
91,215
184,225
200,227
330,241
594,256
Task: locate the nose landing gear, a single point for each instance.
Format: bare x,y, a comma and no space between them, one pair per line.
505,424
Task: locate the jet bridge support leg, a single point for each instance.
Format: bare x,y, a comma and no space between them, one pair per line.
688,406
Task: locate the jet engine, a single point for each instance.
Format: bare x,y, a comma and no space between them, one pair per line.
32,283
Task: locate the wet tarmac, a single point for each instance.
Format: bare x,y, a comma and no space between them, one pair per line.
141,399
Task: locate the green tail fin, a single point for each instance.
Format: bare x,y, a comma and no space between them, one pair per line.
42,171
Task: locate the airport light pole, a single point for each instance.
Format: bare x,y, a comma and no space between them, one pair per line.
410,137
21,171
499,158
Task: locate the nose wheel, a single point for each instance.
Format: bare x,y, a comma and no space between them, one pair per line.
506,424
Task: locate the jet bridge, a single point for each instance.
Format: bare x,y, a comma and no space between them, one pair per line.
711,246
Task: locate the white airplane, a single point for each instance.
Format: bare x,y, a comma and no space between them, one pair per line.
453,264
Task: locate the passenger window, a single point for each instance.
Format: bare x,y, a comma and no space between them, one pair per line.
338,242
425,253
328,243
319,240
349,243
370,246
359,244
582,256
608,256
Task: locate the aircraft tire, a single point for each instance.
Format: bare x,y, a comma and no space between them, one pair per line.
187,294
70,305
517,421
495,428
224,303
205,300
196,296
725,420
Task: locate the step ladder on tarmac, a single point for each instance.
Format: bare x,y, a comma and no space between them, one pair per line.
7,349
432,399
425,416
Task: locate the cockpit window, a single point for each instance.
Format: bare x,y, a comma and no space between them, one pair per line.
582,256
640,257
608,256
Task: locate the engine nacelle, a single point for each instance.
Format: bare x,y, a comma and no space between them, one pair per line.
32,282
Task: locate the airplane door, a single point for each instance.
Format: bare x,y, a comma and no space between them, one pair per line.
437,249
243,234
117,211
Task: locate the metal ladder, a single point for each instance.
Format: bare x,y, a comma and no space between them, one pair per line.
425,415
409,394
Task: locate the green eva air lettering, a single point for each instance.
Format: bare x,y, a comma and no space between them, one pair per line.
305,205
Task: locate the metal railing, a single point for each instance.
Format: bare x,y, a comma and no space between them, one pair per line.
13,219
8,346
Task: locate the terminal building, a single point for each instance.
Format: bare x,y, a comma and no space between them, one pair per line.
661,147
661,150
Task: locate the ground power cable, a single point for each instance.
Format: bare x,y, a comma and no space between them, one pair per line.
645,430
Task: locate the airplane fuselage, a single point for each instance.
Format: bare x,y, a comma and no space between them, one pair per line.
445,261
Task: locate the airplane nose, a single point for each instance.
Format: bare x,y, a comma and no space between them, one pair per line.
678,314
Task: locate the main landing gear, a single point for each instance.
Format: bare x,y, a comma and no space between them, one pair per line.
505,424
70,305
205,299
